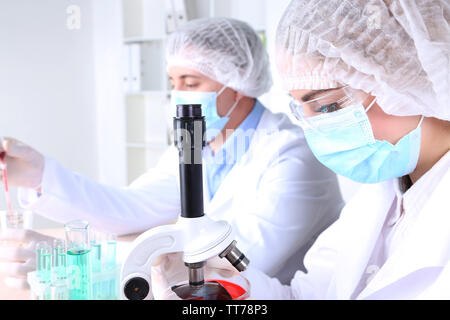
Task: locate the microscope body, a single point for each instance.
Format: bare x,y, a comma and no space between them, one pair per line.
198,237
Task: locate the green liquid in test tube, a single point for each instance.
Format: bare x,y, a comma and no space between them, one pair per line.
59,285
44,262
111,251
59,260
78,260
44,267
96,255
96,248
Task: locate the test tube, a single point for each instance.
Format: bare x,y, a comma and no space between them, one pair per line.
59,260
96,248
43,261
110,265
44,268
111,251
59,291
96,255
78,260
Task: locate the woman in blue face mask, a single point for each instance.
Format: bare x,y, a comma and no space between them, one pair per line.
370,86
340,133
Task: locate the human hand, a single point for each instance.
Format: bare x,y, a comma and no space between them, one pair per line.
24,164
17,255
169,270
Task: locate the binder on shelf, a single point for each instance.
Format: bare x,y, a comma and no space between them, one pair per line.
175,14
132,68
135,67
126,68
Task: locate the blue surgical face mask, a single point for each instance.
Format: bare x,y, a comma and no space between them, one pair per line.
208,100
343,141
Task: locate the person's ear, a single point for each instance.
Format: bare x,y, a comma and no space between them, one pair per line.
238,96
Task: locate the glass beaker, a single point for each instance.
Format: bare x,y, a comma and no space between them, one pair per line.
15,219
220,284
78,260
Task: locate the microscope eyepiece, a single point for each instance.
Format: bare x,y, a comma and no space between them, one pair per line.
189,110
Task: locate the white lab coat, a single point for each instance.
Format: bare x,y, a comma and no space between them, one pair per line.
418,268
277,198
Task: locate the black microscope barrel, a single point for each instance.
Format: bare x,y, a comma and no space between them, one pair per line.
189,129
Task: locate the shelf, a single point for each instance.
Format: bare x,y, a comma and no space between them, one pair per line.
142,39
147,145
144,66
149,93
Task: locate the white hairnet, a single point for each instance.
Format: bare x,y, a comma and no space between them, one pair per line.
226,50
397,50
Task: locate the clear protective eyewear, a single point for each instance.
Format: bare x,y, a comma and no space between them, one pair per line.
326,105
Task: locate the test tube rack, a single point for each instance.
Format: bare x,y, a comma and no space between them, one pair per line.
105,286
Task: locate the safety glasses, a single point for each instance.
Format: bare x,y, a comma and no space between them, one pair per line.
325,105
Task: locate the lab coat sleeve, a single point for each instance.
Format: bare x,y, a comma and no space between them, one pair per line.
318,283
153,199
263,287
440,289
314,285
296,199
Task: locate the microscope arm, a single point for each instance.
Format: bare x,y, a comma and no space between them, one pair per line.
198,238
136,270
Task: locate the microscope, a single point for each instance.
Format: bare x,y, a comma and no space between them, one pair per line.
198,237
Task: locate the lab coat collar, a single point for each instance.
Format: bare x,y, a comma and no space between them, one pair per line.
358,244
427,243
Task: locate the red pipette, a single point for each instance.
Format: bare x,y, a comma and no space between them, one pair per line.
5,179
